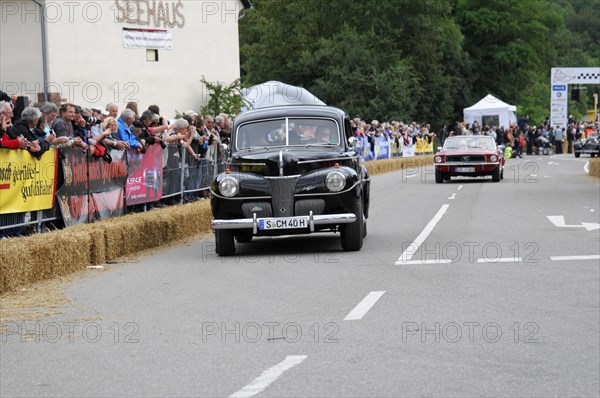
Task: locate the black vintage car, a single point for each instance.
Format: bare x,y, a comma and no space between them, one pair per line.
291,170
589,145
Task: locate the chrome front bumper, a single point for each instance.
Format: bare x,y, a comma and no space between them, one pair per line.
247,223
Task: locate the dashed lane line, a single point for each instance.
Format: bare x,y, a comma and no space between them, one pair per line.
364,306
571,258
268,376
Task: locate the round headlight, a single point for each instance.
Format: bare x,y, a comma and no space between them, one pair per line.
229,187
438,159
493,158
335,181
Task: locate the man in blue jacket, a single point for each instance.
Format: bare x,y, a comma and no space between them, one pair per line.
124,132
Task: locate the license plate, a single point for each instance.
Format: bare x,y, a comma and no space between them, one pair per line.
465,169
282,223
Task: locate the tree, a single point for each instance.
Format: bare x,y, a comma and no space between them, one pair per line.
223,98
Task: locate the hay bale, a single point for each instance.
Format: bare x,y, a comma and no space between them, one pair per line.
38,257
97,242
376,167
595,167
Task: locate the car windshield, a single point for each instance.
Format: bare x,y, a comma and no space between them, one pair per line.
287,132
469,142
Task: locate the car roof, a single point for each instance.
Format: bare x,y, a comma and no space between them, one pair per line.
290,111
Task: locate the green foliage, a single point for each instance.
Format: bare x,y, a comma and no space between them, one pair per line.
223,98
419,60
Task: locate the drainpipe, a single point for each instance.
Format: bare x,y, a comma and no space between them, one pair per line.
44,48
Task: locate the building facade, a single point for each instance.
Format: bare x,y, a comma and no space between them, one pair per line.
95,52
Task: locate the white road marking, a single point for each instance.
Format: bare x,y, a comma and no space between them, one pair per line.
411,176
364,306
422,262
414,246
460,187
452,197
568,258
559,221
586,167
268,376
500,260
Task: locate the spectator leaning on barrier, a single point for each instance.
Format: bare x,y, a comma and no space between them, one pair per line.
110,132
100,115
26,128
64,129
5,140
7,109
151,134
50,112
124,132
182,128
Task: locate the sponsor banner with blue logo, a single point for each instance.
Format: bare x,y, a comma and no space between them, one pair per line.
382,148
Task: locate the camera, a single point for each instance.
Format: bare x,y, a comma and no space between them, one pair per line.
91,120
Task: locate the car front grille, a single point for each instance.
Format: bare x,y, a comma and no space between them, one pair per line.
465,158
282,195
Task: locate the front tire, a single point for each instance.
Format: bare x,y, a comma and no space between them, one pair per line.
439,177
352,234
496,174
224,243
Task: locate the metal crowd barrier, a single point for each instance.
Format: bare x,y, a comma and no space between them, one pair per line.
182,175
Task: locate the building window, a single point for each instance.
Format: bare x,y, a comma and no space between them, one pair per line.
151,55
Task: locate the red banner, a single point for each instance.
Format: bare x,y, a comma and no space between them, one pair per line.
145,179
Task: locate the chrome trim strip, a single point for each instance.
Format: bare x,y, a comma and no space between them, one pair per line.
325,159
280,163
283,177
466,164
248,164
247,223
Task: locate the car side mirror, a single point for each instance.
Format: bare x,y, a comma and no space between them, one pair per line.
352,142
501,148
439,148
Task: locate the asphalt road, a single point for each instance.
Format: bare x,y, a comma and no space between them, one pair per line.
461,289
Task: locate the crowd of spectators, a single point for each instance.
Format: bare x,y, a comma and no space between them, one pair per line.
521,137
402,138
44,125
96,131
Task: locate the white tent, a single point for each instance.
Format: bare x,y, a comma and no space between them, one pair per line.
490,110
274,93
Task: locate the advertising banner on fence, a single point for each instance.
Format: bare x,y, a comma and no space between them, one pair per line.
103,197
26,183
145,179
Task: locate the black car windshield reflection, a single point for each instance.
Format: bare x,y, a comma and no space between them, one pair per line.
469,142
287,132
